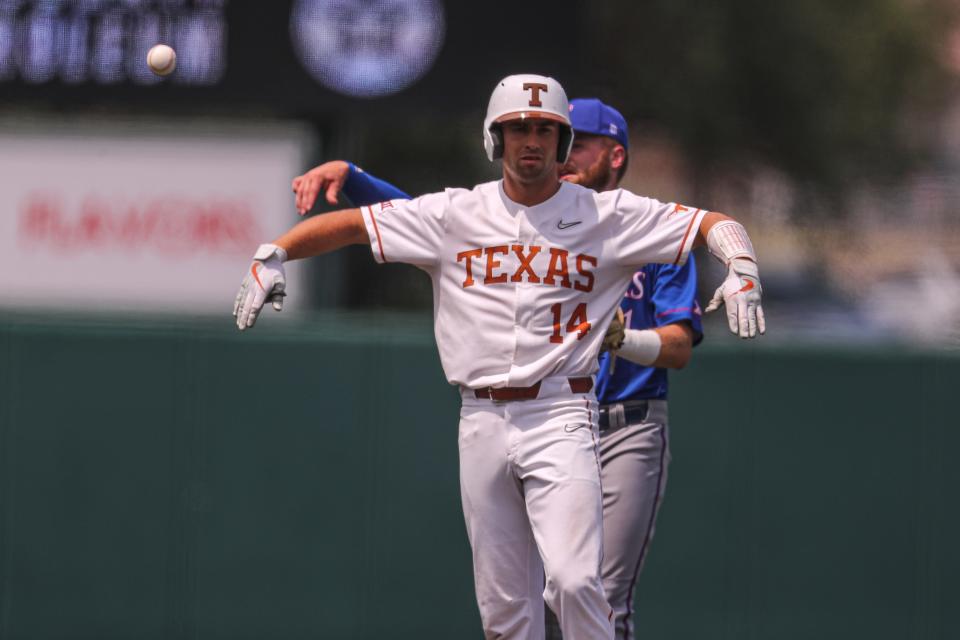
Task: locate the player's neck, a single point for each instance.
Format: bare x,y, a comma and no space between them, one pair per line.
530,194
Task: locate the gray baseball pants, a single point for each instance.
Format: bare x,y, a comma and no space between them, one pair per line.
634,461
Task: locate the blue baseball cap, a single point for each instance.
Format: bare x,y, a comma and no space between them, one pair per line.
589,115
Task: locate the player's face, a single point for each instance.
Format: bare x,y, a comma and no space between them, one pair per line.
590,163
530,149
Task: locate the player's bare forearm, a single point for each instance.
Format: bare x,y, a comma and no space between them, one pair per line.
676,346
323,234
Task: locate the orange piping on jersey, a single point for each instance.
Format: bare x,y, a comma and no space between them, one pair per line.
693,219
377,230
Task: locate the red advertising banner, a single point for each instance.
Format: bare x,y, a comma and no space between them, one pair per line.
141,216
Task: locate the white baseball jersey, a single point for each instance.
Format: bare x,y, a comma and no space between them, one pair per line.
522,293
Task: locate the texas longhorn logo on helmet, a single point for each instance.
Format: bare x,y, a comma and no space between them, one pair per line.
535,88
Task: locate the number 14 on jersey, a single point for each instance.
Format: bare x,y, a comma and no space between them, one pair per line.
578,322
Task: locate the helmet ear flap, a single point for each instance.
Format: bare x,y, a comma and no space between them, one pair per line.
566,143
496,140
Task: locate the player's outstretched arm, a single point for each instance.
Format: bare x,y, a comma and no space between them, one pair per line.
339,176
740,292
323,234
266,281
666,347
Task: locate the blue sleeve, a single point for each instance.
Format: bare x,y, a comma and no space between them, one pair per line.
362,189
674,296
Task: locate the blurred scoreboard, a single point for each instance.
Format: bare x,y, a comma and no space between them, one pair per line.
357,48
290,57
104,42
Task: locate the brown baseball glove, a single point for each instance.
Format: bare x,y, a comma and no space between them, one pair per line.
613,339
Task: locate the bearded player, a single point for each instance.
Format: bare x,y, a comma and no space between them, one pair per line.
523,269
662,319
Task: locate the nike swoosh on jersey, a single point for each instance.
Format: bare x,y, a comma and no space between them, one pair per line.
567,225
570,428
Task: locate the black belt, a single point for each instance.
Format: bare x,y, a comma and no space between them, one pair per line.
620,414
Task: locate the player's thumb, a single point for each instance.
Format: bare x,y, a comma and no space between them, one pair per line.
333,191
278,292
716,302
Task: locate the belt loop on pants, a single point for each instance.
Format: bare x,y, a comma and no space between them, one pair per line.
504,394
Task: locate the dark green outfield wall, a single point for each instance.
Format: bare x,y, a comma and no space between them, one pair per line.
184,481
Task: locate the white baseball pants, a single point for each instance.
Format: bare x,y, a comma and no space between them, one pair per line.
530,485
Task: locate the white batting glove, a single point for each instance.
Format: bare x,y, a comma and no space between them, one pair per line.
265,282
740,292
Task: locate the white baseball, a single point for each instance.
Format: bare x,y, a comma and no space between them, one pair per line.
162,59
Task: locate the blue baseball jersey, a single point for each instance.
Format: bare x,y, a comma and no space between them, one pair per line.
363,189
659,295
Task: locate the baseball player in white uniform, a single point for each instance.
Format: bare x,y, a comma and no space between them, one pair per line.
526,271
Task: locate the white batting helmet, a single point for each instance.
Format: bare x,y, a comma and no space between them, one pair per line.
526,96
